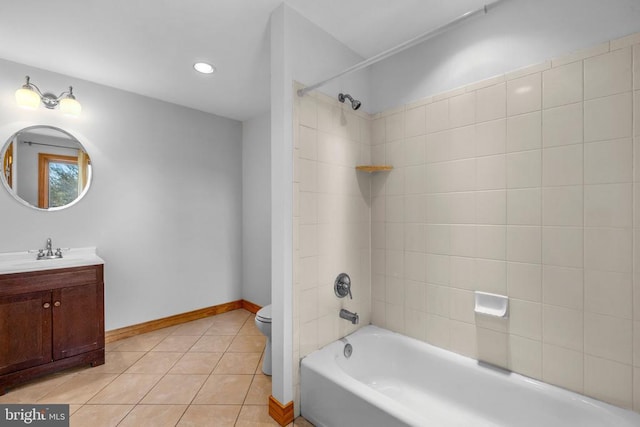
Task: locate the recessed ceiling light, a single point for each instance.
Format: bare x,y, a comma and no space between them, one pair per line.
204,68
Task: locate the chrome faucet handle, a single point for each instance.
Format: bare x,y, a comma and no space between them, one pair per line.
40,252
58,253
342,286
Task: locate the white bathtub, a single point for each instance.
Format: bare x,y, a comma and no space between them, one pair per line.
392,380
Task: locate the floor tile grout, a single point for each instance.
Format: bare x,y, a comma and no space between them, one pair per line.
211,373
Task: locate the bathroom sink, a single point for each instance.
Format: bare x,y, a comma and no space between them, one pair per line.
20,262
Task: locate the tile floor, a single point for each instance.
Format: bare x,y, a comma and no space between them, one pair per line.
202,373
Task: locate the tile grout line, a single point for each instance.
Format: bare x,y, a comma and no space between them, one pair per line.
252,380
208,376
135,405
166,373
238,333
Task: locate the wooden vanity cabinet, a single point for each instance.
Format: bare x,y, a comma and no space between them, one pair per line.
50,320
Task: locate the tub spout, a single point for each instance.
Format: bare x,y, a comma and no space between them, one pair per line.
351,317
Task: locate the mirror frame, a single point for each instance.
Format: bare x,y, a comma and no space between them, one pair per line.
23,202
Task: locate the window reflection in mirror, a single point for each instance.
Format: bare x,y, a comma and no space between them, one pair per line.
45,167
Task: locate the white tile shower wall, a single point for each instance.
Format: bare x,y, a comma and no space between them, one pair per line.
527,185
331,220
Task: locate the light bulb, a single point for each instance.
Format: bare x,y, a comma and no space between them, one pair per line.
204,68
27,98
70,107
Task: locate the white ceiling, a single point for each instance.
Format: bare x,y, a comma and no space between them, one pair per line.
149,46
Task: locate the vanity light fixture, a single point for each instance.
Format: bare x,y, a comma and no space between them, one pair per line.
30,96
204,67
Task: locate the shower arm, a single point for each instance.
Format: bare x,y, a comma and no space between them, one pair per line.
403,46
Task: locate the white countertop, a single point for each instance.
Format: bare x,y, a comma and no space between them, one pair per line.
22,262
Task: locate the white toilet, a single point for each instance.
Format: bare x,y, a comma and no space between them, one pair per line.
263,323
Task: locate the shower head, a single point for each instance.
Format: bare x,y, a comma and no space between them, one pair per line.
355,104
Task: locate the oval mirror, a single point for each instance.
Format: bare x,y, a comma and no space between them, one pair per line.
45,168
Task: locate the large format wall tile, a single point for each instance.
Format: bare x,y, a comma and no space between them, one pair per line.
562,85
562,165
562,206
462,110
491,103
524,281
563,286
608,118
563,367
524,132
562,125
490,137
608,161
608,74
524,95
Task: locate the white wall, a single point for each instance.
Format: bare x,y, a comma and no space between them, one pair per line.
281,206
515,34
256,210
164,208
318,56
302,52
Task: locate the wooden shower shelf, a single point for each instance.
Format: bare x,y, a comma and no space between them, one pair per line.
374,168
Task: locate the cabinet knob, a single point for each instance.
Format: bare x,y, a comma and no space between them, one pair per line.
46,305
56,304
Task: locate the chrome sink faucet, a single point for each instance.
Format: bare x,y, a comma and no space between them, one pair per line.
49,254
49,251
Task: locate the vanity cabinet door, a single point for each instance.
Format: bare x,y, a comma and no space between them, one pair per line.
25,330
77,320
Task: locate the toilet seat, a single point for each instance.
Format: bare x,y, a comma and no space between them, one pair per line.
264,314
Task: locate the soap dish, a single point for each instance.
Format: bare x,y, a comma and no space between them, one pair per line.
491,304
